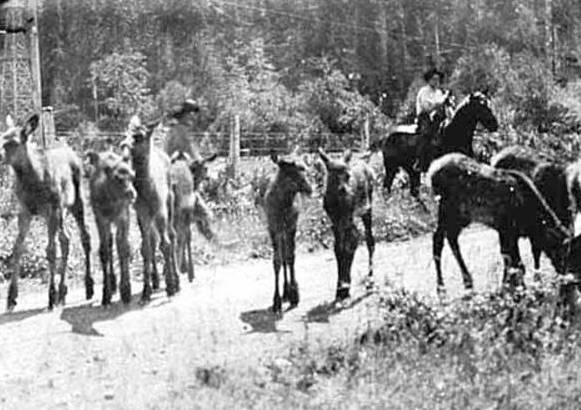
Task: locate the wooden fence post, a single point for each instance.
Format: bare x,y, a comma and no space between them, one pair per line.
234,154
365,135
48,132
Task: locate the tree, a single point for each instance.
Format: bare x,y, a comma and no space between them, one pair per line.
121,81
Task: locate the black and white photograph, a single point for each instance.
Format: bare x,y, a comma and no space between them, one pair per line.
290,204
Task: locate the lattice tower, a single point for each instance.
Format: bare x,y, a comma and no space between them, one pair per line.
19,92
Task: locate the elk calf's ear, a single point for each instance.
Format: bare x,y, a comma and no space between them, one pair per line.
347,156
92,157
91,162
29,127
174,156
323,156
211,158
274,157
10,122
134,122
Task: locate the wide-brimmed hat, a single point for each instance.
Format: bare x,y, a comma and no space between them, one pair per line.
180,110
432,72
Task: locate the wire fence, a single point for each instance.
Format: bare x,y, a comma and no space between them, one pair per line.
252,144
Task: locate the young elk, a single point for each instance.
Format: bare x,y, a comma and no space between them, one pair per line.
111,191
186,176
282,216
555,181
504,200
48,182
349,194
154,204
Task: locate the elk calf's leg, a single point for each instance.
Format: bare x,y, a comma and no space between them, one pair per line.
147,260
24,220
64,240
189,253
104,255
155,281
276,264
369,239
124,254
346,250
51,258
168,251
79,215
290,262
112,277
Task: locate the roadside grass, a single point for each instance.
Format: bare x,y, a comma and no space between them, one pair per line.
490,351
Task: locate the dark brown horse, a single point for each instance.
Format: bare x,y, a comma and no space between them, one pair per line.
505,200
404,147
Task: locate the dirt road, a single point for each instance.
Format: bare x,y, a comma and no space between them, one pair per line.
84,356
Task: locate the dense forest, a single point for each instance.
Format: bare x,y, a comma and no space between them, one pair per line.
307,65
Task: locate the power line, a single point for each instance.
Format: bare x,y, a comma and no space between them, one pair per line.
366,29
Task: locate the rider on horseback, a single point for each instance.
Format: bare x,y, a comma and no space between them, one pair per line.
431,109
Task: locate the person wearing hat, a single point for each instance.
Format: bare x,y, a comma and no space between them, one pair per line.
430,110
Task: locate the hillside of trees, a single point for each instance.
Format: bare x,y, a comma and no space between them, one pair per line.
307,66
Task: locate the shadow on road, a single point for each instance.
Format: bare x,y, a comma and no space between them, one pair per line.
261,321
18,316
321,313
83,318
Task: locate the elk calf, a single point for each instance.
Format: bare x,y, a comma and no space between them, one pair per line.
504,200
349,194
282,216
112,192
48,182
186,176
154,204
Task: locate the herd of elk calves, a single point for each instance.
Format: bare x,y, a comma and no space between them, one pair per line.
522,193
163,192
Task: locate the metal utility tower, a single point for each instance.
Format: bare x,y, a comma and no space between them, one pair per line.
20,84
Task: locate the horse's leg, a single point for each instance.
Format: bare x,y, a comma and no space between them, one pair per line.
414,181
24,219
390,173
452,233
512,260
536,250
124,255
437,246
78,211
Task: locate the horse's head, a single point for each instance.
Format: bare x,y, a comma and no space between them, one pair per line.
481,111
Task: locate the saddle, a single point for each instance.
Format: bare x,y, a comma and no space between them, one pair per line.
405,128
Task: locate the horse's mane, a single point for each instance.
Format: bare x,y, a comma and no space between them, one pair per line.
466,100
